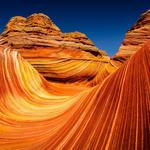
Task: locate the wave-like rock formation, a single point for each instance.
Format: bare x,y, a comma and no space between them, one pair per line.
135,38
41,115
43,45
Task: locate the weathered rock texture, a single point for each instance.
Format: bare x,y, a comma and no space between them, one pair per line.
43,44
136,37
39,115
94,109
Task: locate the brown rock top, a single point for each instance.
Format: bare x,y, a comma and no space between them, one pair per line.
40,29
136,37
36,22
41,43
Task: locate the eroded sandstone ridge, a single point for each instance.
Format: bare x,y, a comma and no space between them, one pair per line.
39,115
136,37
92,106
43,44
41,31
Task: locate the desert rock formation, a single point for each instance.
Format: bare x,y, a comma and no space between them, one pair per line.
42,43
89,102
136,37
112,115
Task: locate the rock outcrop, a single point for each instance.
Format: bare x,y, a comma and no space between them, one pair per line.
88,103
38,115
135,38
43,44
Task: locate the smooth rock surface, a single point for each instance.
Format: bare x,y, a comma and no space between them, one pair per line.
40,115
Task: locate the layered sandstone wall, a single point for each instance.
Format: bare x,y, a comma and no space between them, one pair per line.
43,44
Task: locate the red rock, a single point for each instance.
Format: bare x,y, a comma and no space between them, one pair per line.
36,114
97,106
41,31
135,38
42,43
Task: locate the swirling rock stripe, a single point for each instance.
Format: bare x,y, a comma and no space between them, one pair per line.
112,115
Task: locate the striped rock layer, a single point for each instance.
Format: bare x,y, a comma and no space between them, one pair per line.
43,45
135,38
42,115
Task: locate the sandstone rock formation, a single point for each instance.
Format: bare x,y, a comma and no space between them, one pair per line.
39,115
43,44
86,103
135,38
